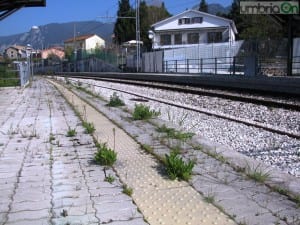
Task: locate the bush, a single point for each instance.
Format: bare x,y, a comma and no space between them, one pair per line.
143,112
177,168
115,101
105,156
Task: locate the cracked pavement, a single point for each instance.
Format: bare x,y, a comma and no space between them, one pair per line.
47,177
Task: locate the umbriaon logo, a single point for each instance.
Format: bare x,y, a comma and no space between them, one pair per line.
257,7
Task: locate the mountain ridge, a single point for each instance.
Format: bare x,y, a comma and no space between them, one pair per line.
54,34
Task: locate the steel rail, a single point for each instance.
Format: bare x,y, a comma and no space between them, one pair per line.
210,113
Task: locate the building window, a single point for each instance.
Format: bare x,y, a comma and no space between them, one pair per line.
184,21
214,37
190,20
193,38
197,19
178,39
165,39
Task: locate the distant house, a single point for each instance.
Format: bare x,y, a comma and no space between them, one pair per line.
191,27
15,52
56,51
85,42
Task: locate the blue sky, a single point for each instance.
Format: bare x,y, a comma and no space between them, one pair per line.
60,11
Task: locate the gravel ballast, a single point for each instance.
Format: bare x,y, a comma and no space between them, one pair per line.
273,149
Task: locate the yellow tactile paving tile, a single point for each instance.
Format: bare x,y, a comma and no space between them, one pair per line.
161,200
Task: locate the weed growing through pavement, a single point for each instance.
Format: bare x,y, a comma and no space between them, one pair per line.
89,127
174,134
115,101
71,132
210,198
51,137
127,190
214,154
110,179
104,155
198,147
177,168
148,148
143,112
257,174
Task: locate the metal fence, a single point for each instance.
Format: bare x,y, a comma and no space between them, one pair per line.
296,66
222,65
242,65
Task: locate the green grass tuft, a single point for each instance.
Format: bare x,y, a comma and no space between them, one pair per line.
105,156
143,112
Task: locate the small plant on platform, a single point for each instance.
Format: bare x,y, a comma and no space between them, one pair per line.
71,133
214,154
110,179
89,127
148,148
172,133
115,101
257,174
209,198
143,112
104,155
127,190
198,147
177,168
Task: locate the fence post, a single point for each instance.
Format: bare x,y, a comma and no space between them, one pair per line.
233,65
216,69
175,66
187,66
201,65
165,66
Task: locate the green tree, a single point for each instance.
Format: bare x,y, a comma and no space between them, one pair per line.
254,26
203,7
69,53
260,27
124,29
144,24
152,15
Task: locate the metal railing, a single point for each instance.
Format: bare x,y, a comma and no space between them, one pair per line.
296,66
222,65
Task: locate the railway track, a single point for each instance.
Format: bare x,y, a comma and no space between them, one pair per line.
286,102
270,141
226,95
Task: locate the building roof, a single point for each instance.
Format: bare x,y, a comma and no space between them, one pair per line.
8,7
181,15
79,38
17,47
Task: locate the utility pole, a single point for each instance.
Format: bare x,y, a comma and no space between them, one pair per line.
137,26
74,47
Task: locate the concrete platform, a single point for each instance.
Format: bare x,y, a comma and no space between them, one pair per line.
49,178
